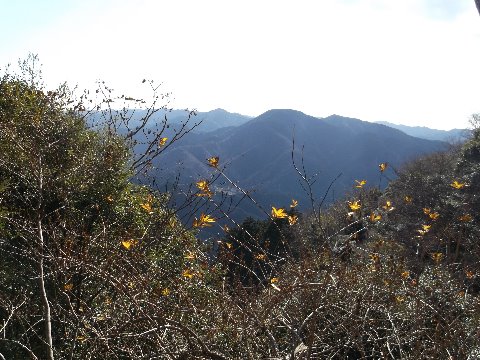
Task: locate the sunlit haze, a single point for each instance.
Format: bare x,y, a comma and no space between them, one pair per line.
413,62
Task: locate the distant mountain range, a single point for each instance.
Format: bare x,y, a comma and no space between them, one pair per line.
219,118
212,120
258,155
453,135
205,121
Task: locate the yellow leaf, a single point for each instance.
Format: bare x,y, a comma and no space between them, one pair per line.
427,211
229,245
204,221
294,203
166,292
399,299
207,219
405,274
209,194
375,217
407,199
425,229
109,198
128,243
278,213
162,141
374,257
457,185
437,257
187,273
465,218
203,185
292,220
360,183
68,287
383,166
260,257
147,207
388,206
434,215
213,161
226,228
274,280
354,206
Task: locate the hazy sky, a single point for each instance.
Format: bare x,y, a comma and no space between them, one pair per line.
414,62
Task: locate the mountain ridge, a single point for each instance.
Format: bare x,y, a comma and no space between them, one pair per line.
429,133
258,154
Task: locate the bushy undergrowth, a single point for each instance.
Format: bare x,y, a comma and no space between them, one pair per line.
392,274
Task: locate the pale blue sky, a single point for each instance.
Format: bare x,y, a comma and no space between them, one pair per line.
407,61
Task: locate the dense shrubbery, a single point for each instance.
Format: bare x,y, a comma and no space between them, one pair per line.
390,274
95,266
90,261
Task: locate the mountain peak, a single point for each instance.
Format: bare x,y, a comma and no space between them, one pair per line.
284,118
282,112
218,111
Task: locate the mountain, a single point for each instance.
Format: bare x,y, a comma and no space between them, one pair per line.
207,121
258,156
453,135
213,120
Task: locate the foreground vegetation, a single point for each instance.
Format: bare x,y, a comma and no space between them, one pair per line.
95,266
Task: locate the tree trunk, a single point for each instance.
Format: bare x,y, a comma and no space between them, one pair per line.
41,277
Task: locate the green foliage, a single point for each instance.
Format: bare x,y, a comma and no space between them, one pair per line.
110,255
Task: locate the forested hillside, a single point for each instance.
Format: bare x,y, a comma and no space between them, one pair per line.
96,266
